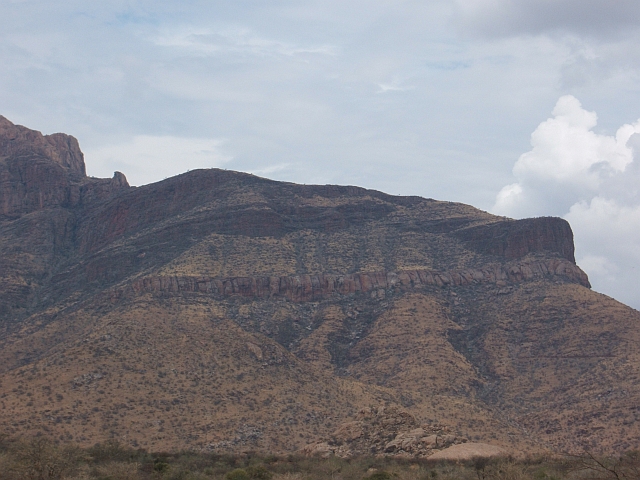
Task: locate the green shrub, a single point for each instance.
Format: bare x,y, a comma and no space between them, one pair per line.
111,450
237,474
259,472
161,467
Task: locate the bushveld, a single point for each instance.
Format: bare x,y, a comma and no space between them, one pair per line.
43,459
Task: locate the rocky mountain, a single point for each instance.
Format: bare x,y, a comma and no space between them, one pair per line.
221,311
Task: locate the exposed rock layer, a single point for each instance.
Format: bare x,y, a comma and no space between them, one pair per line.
304,288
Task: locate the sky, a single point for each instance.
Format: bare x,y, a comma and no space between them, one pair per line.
520,108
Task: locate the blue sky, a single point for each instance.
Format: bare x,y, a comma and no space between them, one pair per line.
512,107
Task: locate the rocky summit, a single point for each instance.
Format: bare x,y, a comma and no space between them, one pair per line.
224,312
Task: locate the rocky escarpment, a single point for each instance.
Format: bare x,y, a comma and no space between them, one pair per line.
20,142
304,288
516,238
43,191
44,171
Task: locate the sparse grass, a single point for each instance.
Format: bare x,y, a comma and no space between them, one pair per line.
43,459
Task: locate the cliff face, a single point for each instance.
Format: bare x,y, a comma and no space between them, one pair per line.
44,171
516,239
309,288
43,191
20,142
238,312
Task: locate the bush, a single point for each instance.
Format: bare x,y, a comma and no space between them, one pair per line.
379,476
111,450
259,473
237,474
41,459
160,466
117,471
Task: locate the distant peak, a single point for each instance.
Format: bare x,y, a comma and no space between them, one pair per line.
19,141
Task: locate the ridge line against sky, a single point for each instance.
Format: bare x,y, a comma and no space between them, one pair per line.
487,102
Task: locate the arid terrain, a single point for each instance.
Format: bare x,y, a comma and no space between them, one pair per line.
221,311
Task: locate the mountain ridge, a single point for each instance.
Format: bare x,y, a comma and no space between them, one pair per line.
221,311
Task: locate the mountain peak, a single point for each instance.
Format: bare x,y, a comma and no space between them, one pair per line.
62,149
42,171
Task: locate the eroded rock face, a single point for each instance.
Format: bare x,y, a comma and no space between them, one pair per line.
45,171
43,187
386,431
515,239
20,142
305,288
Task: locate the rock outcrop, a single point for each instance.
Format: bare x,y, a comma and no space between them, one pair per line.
516,238
385,431
20,142
45,171
306,288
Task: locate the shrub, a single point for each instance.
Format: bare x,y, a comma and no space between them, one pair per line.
237,474
41,459
379,476
160,466
111,450
117,471
259,473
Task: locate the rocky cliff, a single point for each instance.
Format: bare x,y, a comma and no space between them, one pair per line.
45,171
43,192
308,288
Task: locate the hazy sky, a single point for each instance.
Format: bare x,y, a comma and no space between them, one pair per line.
521,108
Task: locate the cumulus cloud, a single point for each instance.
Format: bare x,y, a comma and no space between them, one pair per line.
592,180
147,158
569,162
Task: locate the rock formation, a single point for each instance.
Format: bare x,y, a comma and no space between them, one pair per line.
221,311
45,171
385,431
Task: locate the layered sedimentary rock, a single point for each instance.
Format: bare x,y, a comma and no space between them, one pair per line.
45,171
43,192
305,288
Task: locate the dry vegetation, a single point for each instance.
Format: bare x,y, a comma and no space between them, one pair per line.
42,459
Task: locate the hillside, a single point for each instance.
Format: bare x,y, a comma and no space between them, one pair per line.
222,311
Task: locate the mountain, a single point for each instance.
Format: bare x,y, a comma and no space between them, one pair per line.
221,311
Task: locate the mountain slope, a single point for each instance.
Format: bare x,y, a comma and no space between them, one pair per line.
220,310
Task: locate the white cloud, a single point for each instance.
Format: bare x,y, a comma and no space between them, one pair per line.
569,162
394,86
593,181
611,227
147,158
